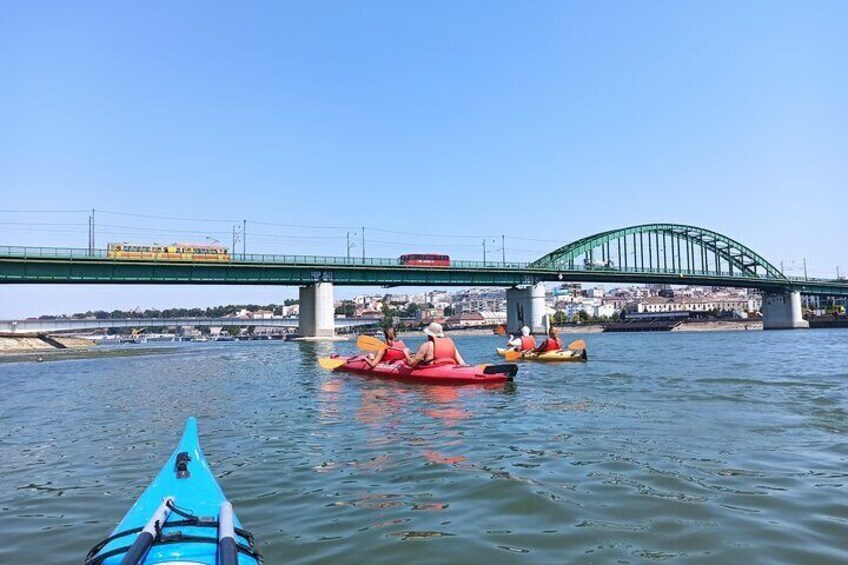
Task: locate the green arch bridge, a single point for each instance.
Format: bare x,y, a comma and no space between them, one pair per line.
649,253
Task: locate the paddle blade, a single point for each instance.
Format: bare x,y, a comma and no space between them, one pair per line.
512,355
368,343
509,370
500,330
577,345
331,363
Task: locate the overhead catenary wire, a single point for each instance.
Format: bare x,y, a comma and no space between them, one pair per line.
276,224
433,235
42,223
122,230
224,233
220,220
44,211
436,241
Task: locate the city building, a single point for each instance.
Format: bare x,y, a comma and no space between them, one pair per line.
656,304
475,320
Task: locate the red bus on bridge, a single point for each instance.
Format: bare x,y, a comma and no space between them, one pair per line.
425,260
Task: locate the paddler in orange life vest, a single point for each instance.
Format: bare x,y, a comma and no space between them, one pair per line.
396,350
551,343
524,343
437,350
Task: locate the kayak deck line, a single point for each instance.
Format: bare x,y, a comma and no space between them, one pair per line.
171,521
163,538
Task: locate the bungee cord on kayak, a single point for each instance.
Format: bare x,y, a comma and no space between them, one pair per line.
186,476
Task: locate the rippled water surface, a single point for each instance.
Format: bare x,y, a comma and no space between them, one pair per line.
711,447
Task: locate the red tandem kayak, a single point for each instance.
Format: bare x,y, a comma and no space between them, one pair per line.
432,374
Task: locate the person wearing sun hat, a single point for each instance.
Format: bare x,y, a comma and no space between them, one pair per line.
438,349
525,342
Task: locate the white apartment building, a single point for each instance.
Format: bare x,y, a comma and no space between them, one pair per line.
656,304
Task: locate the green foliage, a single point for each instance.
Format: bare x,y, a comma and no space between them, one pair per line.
389,313
346,308
211,312
411,310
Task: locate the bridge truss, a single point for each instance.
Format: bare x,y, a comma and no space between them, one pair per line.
661,249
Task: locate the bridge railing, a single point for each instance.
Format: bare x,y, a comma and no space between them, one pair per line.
818,279
252,258
52,252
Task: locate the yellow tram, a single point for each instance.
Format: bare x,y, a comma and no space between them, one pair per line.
175,252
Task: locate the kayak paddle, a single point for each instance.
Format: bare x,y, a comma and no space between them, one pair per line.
512,355
577,345
331,363
368,343
508,370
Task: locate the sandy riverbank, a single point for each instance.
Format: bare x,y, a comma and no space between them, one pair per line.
584,329
82,353
695,326
587,329
12,345
718,326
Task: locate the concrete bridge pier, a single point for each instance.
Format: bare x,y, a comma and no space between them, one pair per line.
525,306
783,311
317,314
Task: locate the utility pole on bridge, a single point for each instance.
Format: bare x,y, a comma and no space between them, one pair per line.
350,245
91,242
236,238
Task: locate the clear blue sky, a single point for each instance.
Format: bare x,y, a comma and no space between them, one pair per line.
548,121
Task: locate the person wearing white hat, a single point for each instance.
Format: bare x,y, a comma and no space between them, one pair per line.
525,342
438,349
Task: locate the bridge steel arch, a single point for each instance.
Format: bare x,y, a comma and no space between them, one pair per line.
662,249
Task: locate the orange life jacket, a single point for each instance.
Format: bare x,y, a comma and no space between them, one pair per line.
553,344
394,352
527,343
444,351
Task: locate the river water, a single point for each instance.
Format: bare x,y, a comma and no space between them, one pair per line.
721,447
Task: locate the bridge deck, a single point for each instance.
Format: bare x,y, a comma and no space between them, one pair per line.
28,265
